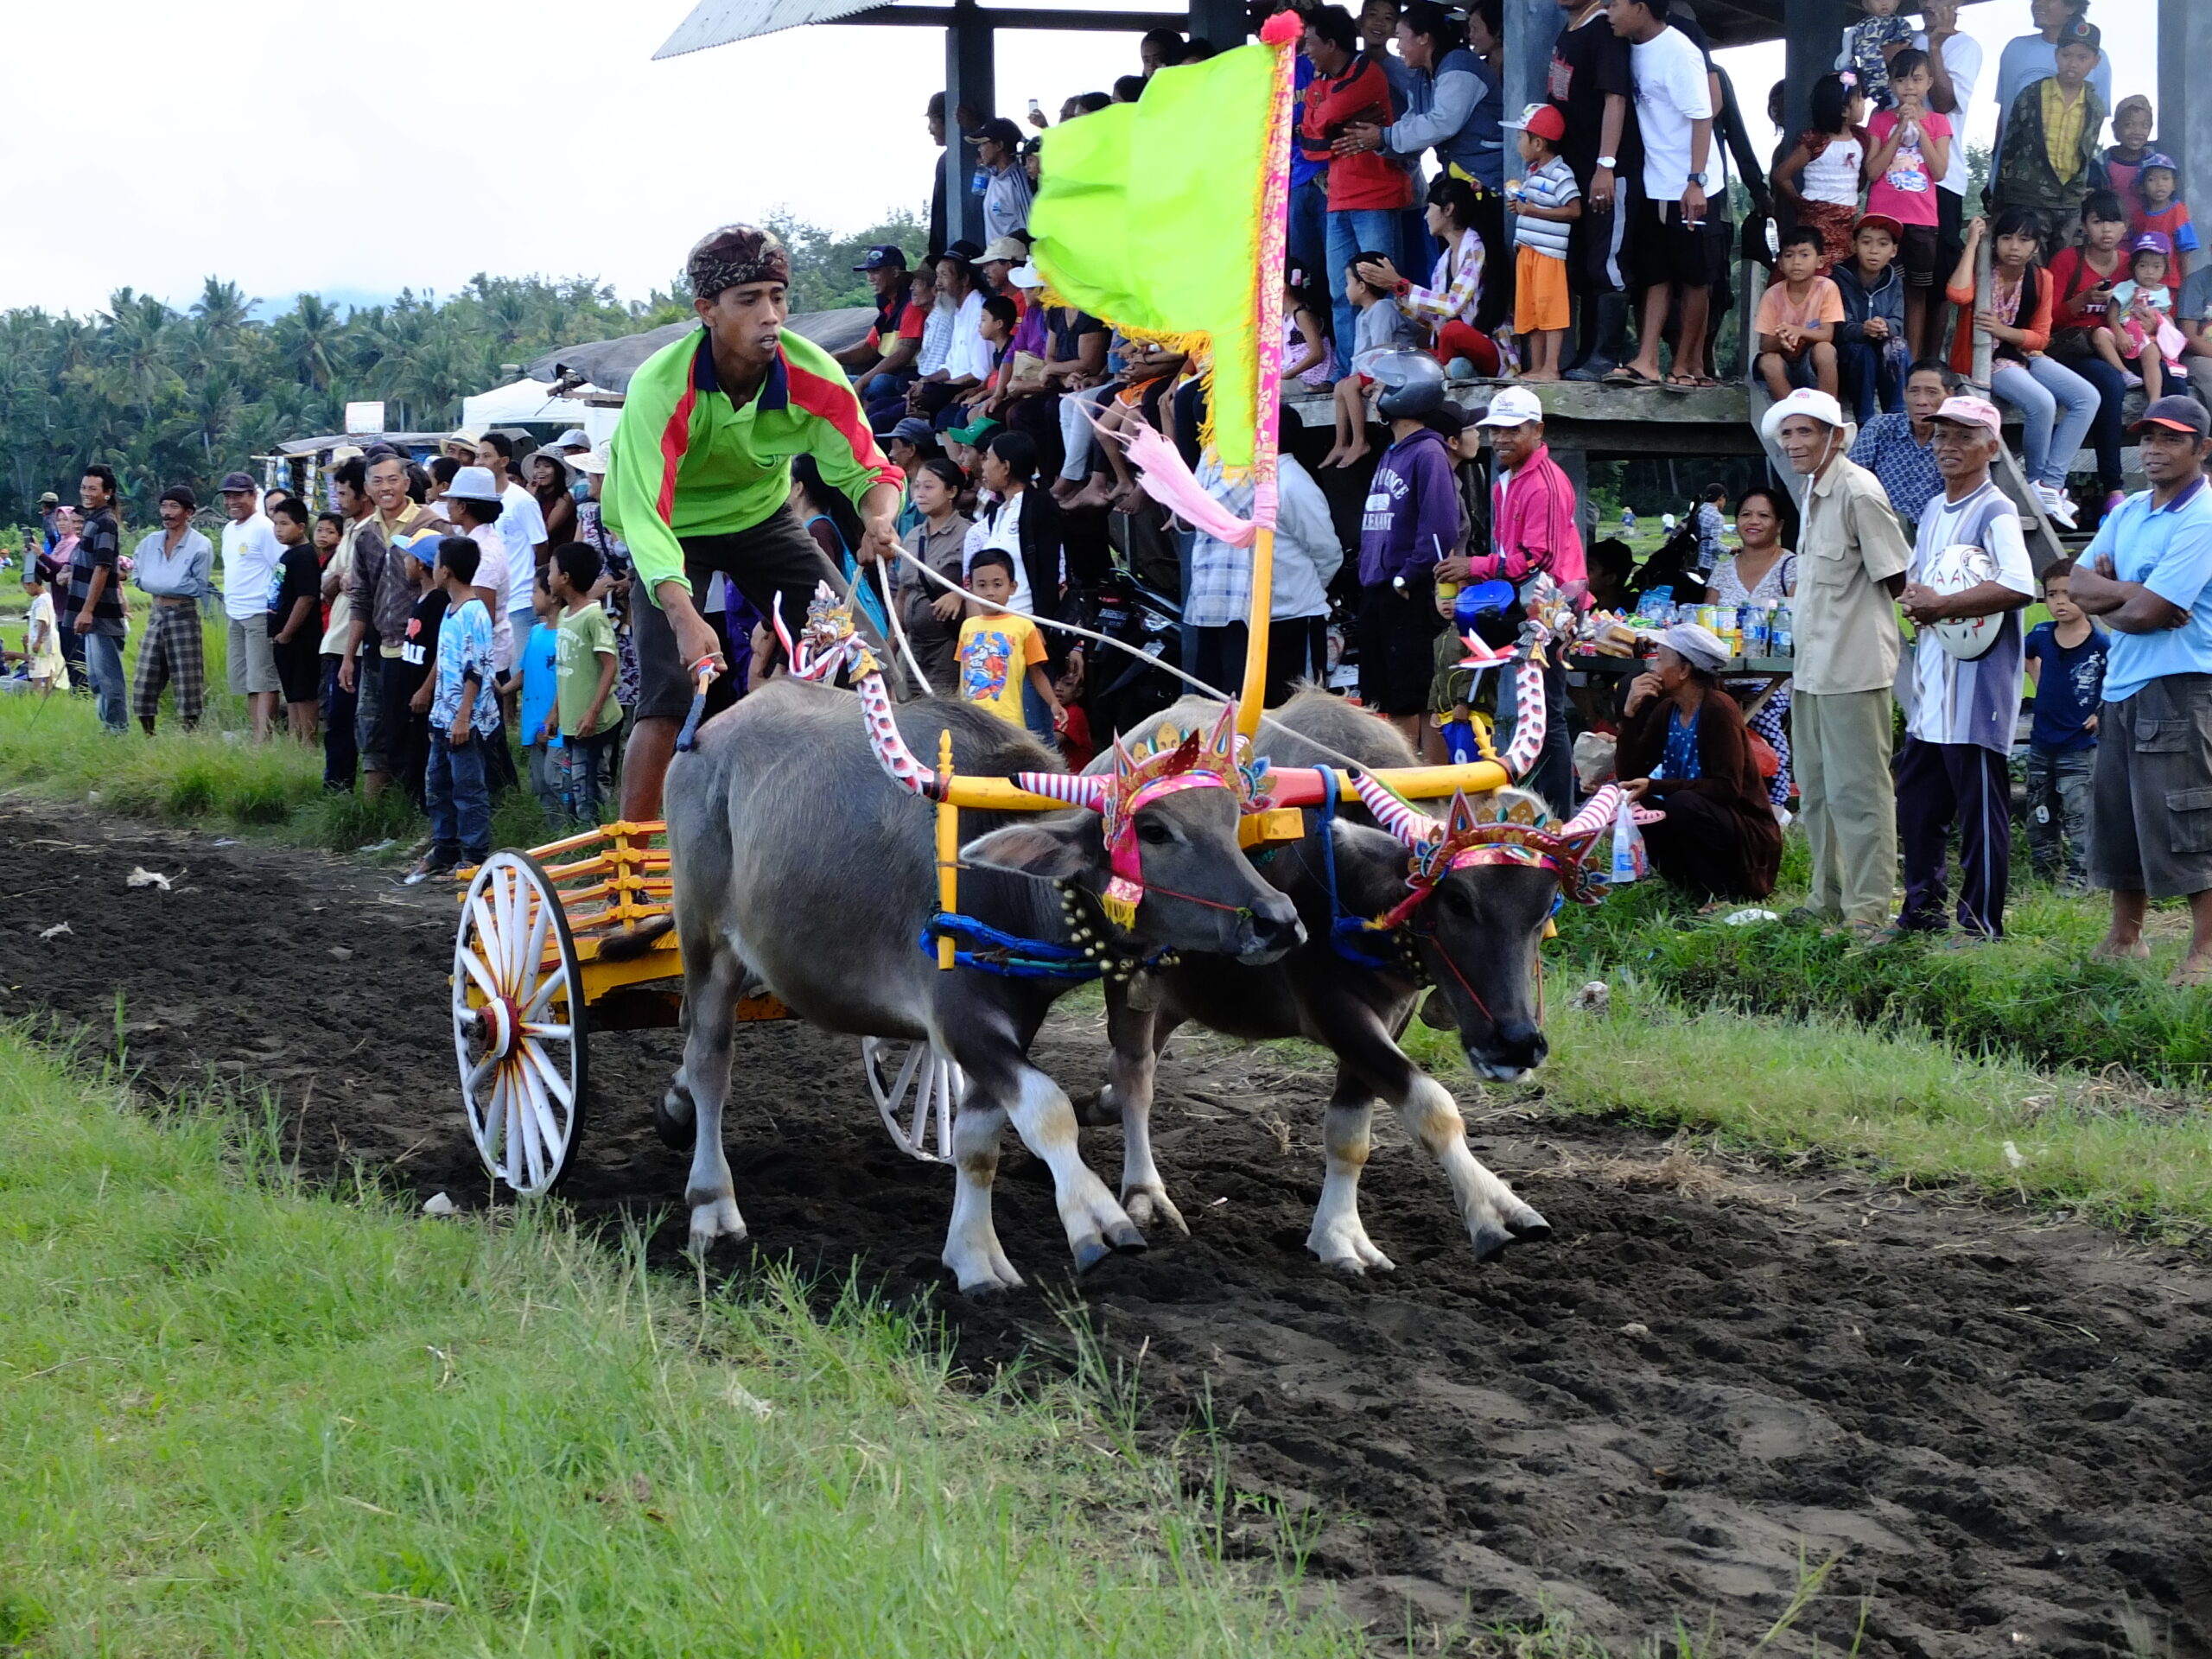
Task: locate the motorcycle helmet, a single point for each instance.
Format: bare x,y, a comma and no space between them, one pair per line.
1412,382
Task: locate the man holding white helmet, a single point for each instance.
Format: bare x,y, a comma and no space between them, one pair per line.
1851,559
1971,575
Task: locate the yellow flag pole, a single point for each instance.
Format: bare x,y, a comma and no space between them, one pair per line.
1252,695
1267,325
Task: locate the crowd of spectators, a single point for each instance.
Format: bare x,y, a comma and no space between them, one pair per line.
1587,237
331,619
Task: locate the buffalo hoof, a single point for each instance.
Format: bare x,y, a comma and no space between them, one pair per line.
1125,1238
716,1218
1344,1247
1150,1207
1491,1242
676,1119
1095,1110
1090,1252
1529,1228
978,1266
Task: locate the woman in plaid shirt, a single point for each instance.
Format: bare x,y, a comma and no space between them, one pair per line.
1445,308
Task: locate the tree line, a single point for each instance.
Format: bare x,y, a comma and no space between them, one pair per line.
167,396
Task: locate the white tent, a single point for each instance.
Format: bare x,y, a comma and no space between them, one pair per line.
534,401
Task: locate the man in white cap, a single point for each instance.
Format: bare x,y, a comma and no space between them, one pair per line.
1970,577
1851,557
249,559
1536,528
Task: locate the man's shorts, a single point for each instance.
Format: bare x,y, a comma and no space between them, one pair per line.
1539,297
253,661
2151,796
774,557
1663,249
1397,646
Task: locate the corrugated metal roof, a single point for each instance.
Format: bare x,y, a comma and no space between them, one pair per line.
717,23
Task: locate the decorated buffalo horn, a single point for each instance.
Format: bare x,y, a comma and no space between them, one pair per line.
1528,717
1072,787
1402,819
1597,812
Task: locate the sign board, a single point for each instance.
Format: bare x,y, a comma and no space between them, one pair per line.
363,418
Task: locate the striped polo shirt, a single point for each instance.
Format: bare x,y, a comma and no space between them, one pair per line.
1551,185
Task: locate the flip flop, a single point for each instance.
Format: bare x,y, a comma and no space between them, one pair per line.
1627,375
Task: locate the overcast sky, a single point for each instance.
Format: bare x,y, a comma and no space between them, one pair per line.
358,150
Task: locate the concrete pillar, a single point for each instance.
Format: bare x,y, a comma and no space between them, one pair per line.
2185,120
970,79
1531,26
1812,31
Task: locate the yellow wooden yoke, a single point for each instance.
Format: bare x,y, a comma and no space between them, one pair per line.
1273,825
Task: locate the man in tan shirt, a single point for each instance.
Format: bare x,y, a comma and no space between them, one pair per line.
1851,559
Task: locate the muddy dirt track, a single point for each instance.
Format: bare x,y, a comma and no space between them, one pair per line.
2004,1425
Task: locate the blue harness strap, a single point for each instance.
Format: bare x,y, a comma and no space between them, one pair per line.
1004,953
1345,931
1011,956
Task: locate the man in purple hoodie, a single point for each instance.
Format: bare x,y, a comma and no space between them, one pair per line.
1410,524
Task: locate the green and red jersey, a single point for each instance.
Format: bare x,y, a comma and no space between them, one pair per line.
688,462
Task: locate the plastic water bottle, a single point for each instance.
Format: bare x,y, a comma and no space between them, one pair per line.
979,181
1754,624
1782,638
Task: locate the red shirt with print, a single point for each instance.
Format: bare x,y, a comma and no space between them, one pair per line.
1369,179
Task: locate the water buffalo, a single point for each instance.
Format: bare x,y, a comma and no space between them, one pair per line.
798,863
1475,936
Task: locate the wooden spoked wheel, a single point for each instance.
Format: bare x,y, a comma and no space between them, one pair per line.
518,1024
914,1079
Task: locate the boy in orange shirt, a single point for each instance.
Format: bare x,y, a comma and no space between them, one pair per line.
1797,319
1000,649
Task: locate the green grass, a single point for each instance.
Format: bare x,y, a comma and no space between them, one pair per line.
216,775
243,1417
1822,1090
2036,996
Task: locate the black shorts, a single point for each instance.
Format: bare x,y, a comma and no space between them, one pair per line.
1397,646
774,557
1663,249
1916,257
299,667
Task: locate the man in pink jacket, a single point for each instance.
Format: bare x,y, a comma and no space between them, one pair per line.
1535,531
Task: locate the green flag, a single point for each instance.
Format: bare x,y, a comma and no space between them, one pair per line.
1152,216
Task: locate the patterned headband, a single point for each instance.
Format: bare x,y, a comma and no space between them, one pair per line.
734,255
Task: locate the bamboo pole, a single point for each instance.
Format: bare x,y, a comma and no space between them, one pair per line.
1252,695
1985,345
948,847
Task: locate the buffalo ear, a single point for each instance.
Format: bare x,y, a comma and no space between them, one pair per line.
1062,847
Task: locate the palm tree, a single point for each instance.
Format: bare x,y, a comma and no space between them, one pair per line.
307,339
223,311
